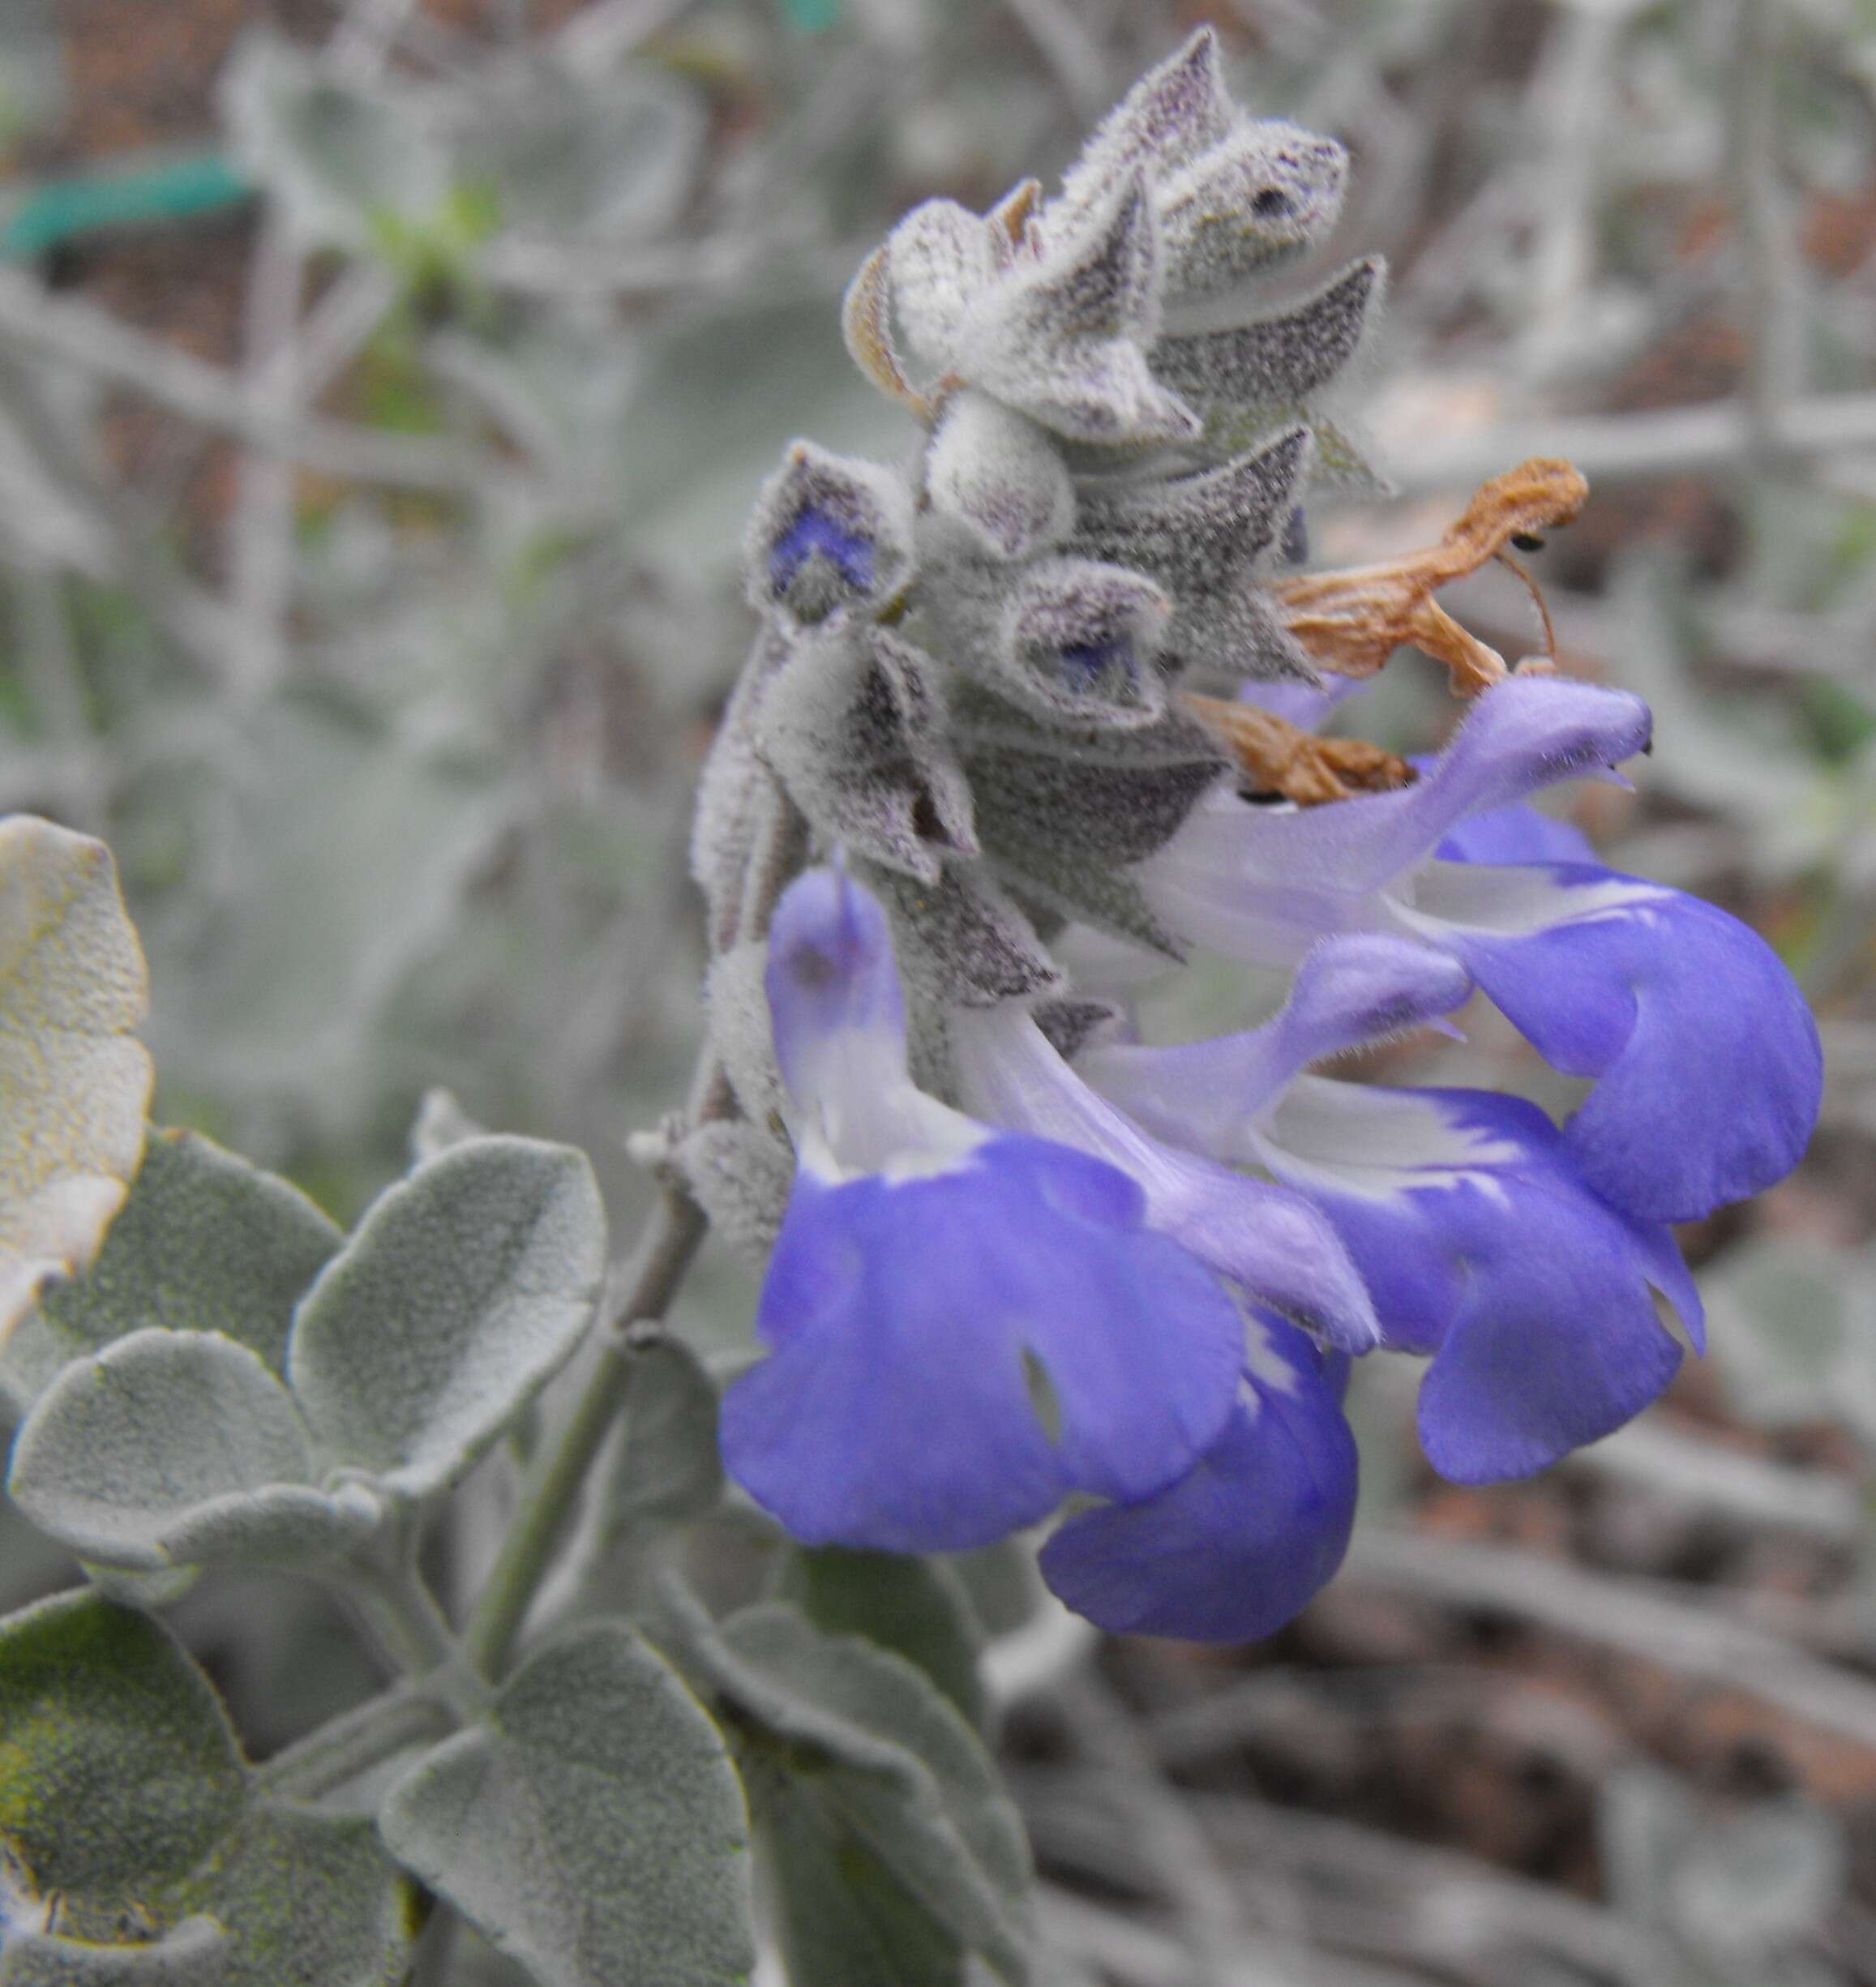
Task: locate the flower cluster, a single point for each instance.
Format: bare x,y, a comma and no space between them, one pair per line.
1035,722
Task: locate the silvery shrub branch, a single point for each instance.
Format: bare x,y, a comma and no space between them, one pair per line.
1006,714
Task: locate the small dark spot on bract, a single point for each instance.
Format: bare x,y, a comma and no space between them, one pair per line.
1267,202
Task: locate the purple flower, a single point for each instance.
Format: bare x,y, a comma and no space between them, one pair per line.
965,1325
1242,1541
1706,1067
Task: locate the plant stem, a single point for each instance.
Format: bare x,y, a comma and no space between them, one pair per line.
665,1251
347,1745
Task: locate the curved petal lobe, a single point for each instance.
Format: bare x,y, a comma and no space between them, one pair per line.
1710,1074
1464,1212
1240,1542
953,1353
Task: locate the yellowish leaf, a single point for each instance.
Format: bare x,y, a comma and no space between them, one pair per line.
75,1082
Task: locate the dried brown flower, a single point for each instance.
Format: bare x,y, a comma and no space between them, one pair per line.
1352,621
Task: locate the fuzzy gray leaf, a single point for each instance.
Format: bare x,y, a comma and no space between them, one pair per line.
916,1607
898,1765
193,1954
1174,112
1063,337
306,1899
464,1288
742,1035
441,1122
592,1827
741,1175
666,1467
177,1448
737,794
940,258
122,1771
963,942
75,1080
827,531
1260,195
1205,538
206,1242
1097,811
1078,642
852,728
840,1912
1000,476
1075,890
1272,366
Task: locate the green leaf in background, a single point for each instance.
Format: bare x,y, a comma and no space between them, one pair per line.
891,1764
814,16
307,1899
841,1913
464,1288
593,1827
916,1607
177,1448
665,1468
75,1083
126,1806
118,1768
205,1243
1793,1332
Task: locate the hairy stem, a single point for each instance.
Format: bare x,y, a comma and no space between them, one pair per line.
356,1741
665,1251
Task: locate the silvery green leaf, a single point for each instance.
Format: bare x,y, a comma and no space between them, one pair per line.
742,1036
1271,368
192,1954
1342,459
841,1913
827,531
894,1762
464,1288
591,1826
345,852
741,1175
1174,112
962,941
612,156
1063,337
939,258
305,1899
1790,1331
665,1466
737,798
1206,538
916,1607
74,1082
175,1448
1645,1821
1087,791
205,1242
1259,196
441,1122
1761,1880
853,727
335,154
121,1771
1000,476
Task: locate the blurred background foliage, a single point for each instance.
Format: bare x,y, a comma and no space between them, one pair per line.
382,387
